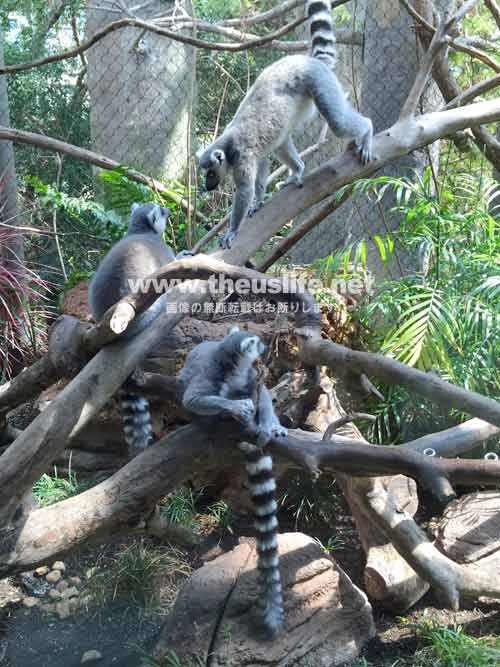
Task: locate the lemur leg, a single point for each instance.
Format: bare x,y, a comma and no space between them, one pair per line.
267,420
242,410
260,186
343,118
244,179
288,154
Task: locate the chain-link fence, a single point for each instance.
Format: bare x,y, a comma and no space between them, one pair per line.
149,102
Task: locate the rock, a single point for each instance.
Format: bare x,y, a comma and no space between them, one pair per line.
53,577
62,586
74,604
55,594
47,608
41,571
74,581
59,565
91,656
469,530
327,618
30,602
70,593
63,609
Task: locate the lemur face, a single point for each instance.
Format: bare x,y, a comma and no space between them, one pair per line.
215,169
252,348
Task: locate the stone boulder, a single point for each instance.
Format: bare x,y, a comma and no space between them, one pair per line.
328,619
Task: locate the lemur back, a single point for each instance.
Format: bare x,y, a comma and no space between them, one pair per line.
220,378
283,97
141,252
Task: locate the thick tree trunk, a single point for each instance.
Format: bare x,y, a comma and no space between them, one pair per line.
12,248
141,92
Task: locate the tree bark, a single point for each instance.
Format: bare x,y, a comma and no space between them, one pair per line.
124,69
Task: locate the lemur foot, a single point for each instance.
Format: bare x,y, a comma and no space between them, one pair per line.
243,410
294,179
252,211
363,149
226,240
123,315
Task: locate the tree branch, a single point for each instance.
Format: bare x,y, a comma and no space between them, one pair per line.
474,91
315,351
494,10
105,510
438,42
258,42
98,160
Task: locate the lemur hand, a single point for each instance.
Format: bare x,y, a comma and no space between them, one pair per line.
243,410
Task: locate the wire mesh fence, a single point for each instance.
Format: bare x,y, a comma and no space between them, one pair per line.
150,102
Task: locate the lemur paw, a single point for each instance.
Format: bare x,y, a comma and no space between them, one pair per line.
226,240
243,410
294,179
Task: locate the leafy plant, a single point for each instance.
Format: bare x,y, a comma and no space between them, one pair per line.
133,574
180,507
222,513
53,489
23,311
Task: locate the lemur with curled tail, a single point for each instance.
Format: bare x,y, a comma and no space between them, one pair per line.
141,252
283,97
219,378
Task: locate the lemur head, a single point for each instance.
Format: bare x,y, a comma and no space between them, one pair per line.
214,164
243,346
147,217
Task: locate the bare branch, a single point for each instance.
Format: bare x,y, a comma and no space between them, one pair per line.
474,91
321,352
258,42
439,41
302,230
494,10
105,511
457,45
48,143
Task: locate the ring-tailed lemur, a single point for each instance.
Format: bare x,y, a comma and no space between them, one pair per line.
283,97
217,378
141,252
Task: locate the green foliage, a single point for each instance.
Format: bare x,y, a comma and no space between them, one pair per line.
49,490
223,515
133,574
445,318
180,507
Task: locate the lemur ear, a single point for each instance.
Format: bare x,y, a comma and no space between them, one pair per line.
153,214
135,207
233,330
218,156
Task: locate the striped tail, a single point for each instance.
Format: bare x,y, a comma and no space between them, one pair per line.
322,36
263,491
136,422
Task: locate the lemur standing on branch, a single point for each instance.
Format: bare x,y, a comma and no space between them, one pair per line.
283,98
141,252
218,378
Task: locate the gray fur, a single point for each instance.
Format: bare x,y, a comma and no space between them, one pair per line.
284,97
218,378
141,252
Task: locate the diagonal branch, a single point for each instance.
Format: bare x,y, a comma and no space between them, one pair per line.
96,159
438,42
494,8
